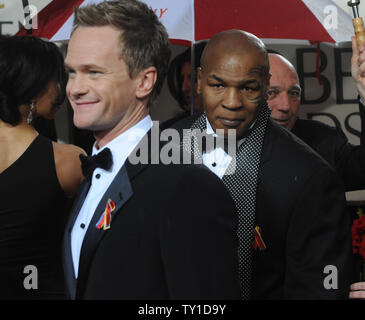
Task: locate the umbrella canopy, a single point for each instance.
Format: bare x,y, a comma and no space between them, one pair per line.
193,20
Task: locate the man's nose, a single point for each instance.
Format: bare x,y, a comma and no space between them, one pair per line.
76,86
283,102
232,99
186,85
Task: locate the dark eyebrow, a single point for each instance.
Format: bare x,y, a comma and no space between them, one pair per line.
261,70
243,82
251,81
291,88
295,87
216,78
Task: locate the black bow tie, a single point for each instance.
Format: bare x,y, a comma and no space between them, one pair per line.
102,160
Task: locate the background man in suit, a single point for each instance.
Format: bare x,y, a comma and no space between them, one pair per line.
290,202
331,143
141,231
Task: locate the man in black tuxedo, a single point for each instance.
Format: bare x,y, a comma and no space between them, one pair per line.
290,202
331,143
138,230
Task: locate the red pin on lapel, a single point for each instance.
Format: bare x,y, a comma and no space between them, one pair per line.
259,242
105,219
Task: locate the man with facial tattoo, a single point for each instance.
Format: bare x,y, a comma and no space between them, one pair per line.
294,232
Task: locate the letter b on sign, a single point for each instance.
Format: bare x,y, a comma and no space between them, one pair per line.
330,281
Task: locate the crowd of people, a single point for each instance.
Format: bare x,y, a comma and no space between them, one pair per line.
264,222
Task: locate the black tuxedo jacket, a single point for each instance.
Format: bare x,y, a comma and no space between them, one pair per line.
172,236
301,211
332,144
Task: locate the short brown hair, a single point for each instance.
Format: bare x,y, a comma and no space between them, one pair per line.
143,41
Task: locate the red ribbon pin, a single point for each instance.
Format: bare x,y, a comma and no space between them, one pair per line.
259,242
105,219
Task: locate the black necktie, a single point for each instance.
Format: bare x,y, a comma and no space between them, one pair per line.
102,160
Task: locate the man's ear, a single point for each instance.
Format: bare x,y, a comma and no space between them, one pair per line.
198,79
146,81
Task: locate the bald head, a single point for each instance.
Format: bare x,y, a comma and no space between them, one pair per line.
233,42
284,91
277,62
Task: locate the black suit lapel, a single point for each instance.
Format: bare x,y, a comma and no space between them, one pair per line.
119,192
268,143
70,278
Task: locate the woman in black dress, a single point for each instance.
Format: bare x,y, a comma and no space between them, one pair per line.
38,177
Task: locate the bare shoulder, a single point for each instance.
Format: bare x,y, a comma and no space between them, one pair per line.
67,156
67,150
68,166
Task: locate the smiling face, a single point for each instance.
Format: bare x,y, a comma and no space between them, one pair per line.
232,84
284,92
100,90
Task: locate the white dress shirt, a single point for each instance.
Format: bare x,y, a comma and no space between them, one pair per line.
120,148
217,160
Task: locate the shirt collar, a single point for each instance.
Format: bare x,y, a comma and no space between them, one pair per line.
211,131
123,145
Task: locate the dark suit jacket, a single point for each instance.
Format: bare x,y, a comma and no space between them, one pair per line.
362,119
172,236
301,211
333,146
